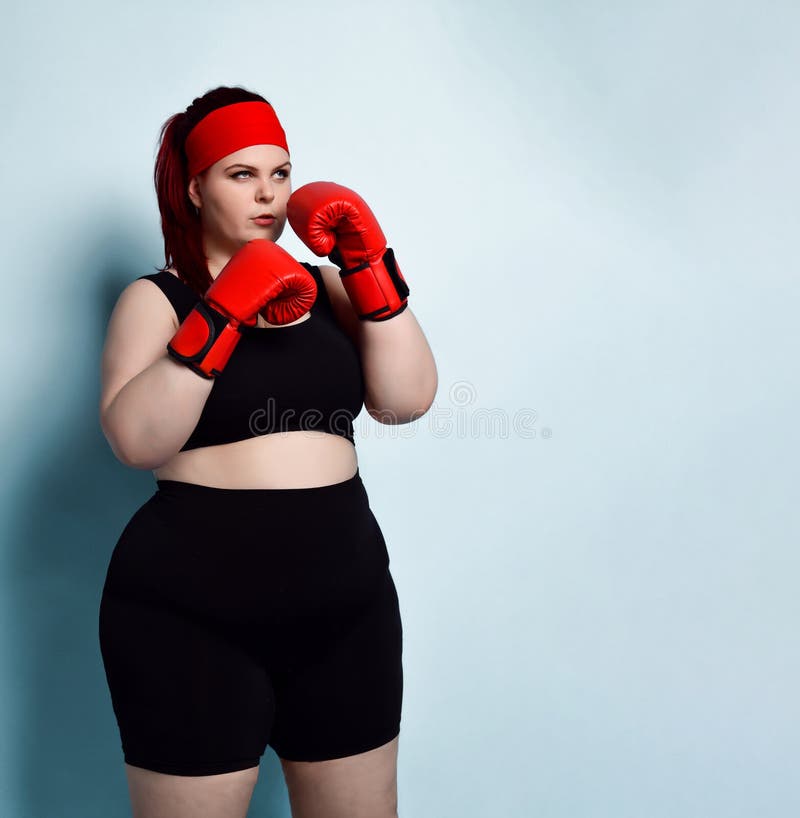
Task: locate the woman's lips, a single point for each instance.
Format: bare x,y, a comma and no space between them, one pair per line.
265,221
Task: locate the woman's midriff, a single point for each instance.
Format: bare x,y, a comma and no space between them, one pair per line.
302,459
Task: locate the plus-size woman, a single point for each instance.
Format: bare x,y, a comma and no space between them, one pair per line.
249,601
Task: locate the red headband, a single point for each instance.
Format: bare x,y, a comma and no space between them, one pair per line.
230,129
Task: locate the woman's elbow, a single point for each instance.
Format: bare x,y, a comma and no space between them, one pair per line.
395,416
123,454
127,454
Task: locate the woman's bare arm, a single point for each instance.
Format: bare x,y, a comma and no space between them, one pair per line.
149,402
399,369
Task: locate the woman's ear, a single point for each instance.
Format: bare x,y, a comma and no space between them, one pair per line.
194,192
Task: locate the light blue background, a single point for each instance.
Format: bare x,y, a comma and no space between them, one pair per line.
595,206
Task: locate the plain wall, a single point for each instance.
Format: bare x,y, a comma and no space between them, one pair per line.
594,530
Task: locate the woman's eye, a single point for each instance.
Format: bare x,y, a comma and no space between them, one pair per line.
280,170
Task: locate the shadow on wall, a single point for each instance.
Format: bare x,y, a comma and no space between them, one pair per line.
71,502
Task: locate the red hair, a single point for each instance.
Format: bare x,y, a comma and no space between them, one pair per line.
180,221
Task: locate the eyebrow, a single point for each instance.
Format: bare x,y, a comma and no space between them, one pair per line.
250,167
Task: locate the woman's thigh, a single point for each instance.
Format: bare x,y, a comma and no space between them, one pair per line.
159,795
189,699
341,696
359,786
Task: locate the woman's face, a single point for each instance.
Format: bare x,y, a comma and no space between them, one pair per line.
235,190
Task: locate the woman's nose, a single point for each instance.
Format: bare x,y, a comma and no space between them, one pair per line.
265,191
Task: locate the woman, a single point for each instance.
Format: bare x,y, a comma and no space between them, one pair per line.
249,601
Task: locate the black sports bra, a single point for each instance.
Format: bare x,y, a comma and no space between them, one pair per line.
294,378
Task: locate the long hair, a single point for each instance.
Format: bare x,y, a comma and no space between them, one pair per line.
180,221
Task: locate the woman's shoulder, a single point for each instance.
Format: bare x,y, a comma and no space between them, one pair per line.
140,307
174,290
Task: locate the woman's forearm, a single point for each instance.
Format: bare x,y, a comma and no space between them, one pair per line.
154,414
399,368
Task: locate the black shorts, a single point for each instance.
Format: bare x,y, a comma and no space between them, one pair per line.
231,619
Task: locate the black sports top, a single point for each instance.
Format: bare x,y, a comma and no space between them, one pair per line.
293,378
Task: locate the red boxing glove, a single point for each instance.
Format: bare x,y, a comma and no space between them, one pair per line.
336,222
259,277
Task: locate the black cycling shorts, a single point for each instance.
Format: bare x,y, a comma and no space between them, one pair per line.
231,619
